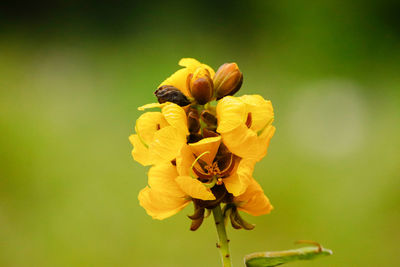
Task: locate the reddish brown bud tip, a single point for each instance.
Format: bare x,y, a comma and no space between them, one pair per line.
201,85
227,80
209,133
169,93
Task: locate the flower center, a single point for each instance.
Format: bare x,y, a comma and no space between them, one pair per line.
221,167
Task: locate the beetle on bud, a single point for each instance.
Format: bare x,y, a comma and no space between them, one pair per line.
200,85
227,80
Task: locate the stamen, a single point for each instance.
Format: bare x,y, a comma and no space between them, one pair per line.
219,181
216,169
200,174
229,168
196,160
211,184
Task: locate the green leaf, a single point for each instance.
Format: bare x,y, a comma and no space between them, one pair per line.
275,258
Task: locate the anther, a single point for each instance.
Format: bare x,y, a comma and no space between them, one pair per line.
227,256
219,181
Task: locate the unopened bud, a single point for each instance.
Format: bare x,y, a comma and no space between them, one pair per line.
209,133
227,80
208,118
193,121
200,85
169,93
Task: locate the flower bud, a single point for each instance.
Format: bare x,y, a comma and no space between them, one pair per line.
193,121
169,93
200,85
227,80
208,118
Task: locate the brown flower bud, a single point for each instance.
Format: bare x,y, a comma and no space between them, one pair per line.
200,85
227,80
208,118
209,133
169,93
193,121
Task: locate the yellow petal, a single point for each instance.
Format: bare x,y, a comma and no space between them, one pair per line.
176,117
264,140
162,178
189,63
245,170
151,105
245,143
178,79
184,161
261,111
149,123
237,183
234,185
160,206
242,142
231,113
192,64
140,152
253,201
194,188
166,144
210,144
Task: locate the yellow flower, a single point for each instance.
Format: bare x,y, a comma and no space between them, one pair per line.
205,160
201,153
163,197
168,192
253,201
245,124
179,78
159,135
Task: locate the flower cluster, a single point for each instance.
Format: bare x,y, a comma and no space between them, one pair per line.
202,145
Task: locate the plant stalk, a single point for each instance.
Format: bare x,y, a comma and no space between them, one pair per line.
222,237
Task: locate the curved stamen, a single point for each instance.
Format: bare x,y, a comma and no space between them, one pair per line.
193,169
230,167
212,183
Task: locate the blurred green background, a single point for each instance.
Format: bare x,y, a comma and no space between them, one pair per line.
72,74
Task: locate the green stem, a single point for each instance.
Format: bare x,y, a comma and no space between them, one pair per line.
222,238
